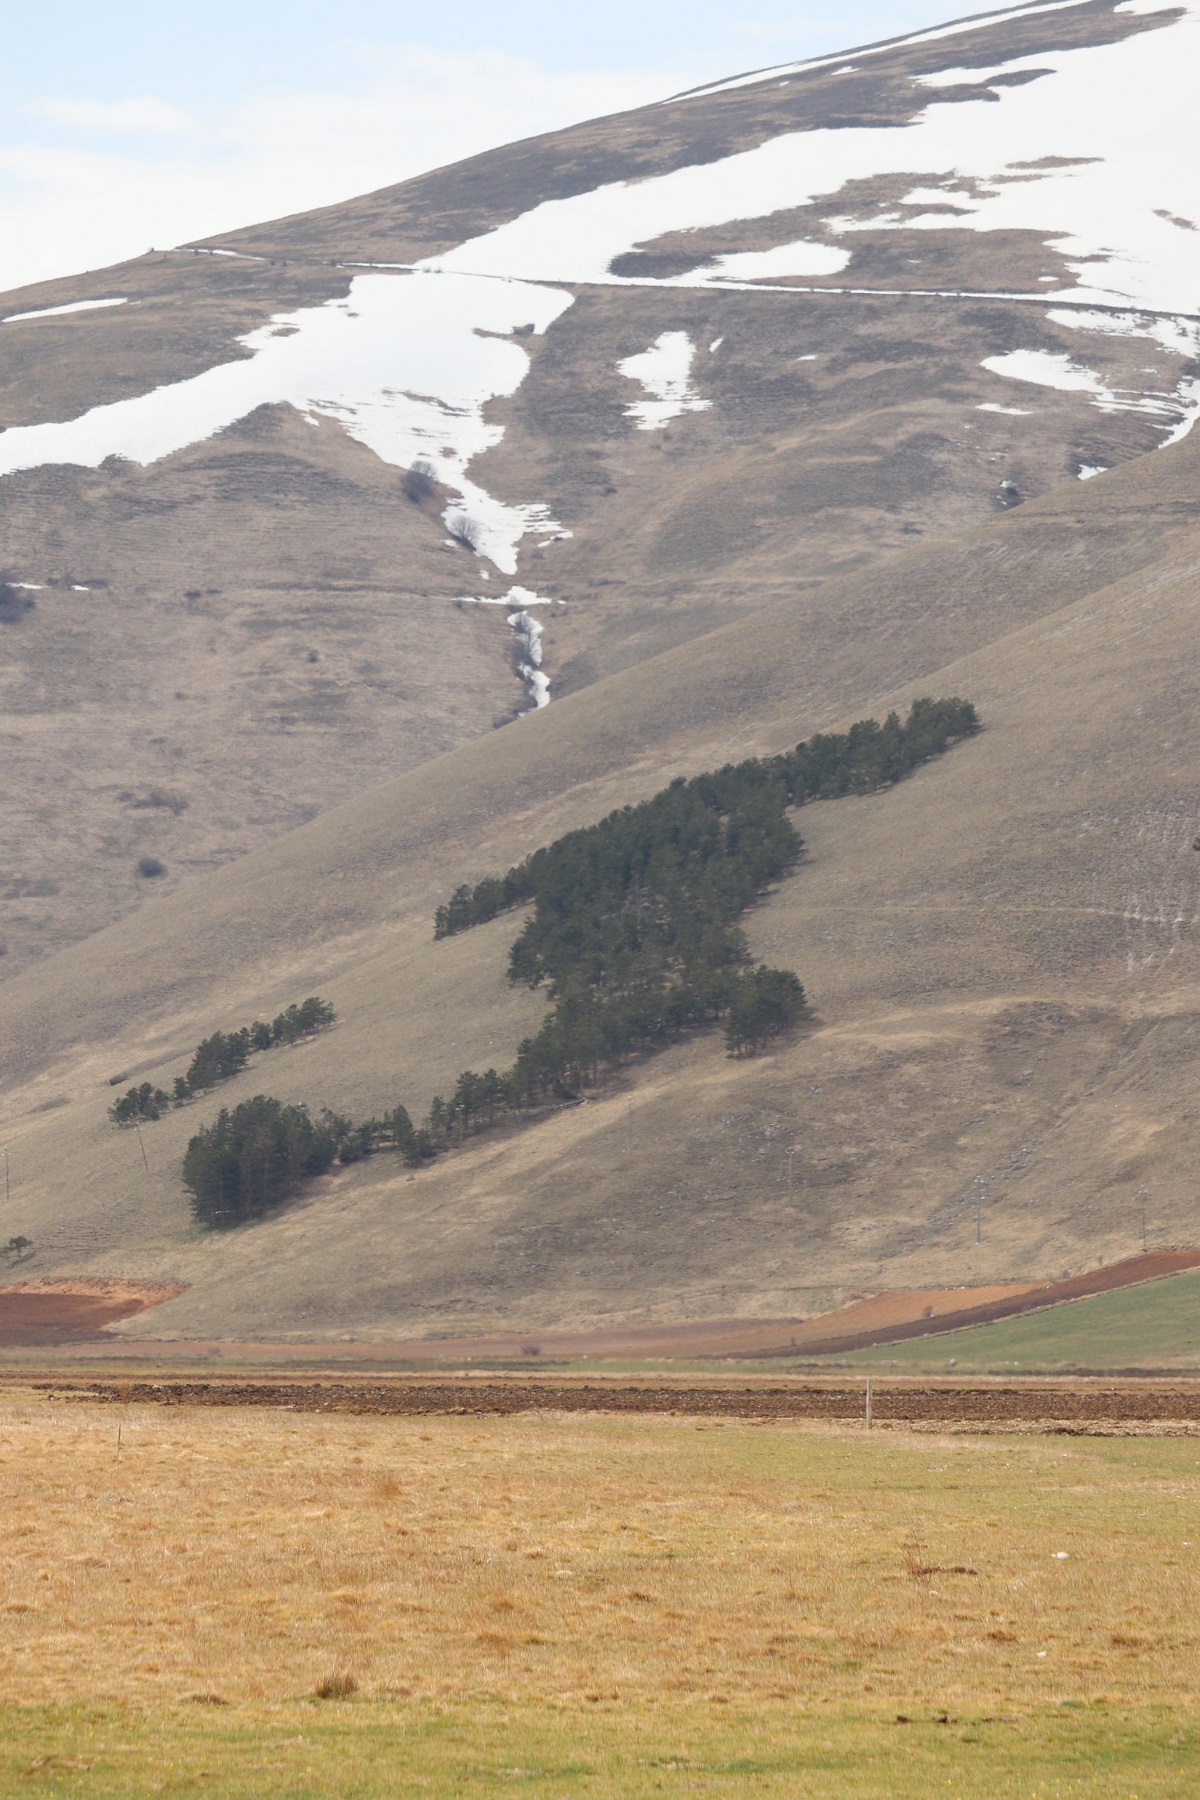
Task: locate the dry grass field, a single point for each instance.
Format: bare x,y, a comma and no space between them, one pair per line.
560,1606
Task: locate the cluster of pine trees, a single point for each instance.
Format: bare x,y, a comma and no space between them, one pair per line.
221,1056
633,933
254,1157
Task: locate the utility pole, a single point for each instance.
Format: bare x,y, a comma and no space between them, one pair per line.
791,1153
1142,1199
138,1129
631,1122
7,1184
979,1209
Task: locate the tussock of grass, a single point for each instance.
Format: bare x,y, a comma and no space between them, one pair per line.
341,1685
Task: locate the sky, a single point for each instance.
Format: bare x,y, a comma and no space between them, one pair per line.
142,124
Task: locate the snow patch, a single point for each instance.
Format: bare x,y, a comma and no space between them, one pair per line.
1089,471
1047,368
1178,409
1187,396
527,633
802,258
664,370
1013,412
405,364
56,312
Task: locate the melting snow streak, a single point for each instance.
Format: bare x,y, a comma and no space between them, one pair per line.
664,370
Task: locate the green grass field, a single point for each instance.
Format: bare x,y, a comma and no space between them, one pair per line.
367,1750
1153,1326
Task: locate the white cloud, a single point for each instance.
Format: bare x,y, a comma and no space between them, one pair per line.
127,118
79,204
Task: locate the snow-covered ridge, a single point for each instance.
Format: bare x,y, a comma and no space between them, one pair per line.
1095,152
955,29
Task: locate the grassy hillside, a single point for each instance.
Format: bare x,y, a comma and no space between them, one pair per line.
1000,952
1154,1326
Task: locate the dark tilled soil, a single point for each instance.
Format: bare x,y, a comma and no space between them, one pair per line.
1076,1404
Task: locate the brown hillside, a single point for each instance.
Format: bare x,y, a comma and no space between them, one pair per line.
1001,953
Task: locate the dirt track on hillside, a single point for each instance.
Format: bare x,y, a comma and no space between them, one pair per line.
1082,1405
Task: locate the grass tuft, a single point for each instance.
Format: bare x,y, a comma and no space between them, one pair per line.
341,1685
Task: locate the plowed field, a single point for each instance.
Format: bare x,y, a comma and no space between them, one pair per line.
1081,1404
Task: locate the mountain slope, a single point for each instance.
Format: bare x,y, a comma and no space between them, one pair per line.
1001,953
667,368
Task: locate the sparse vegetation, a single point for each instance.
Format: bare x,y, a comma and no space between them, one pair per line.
156,799
150,868
341,1685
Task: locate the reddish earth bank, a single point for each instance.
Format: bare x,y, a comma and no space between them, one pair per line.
48,1311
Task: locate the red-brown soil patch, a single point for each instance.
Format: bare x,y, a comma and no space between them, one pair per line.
711,1337
855,1334
49,1310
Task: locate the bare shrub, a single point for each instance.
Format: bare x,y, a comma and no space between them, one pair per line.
157,800
14,603
420,481
466,531
150,869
